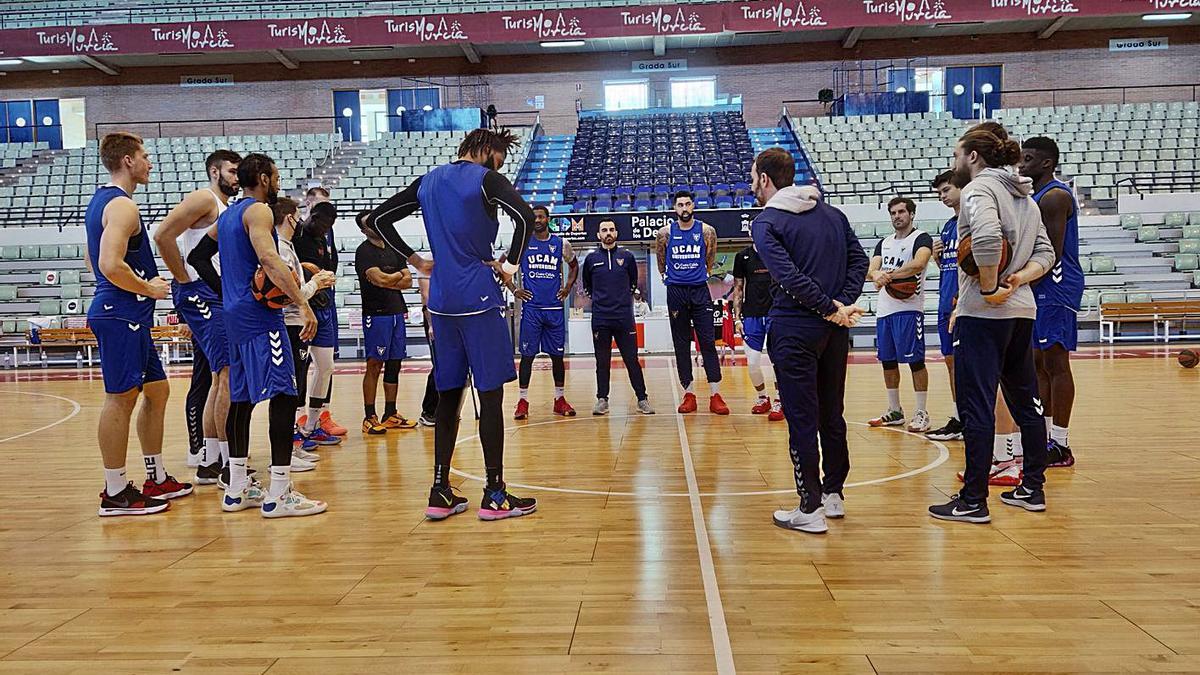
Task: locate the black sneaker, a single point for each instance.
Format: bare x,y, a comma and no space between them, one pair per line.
953,431
501,504
1030,500
208,474
427,420
444,503
130,502
223,480
1058,456
958,510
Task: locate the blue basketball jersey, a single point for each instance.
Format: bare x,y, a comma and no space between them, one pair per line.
111,301
948,266
245,317
1063,284
541,272
461,230
687,255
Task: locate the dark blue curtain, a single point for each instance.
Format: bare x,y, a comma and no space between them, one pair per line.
49,123
20,121
972,79
349,114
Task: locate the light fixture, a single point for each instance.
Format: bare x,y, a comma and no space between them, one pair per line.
986,88
426,108
56,71
959,89
47,121
400,109
346,112
901,90
357,63
564,43
11,62
1177,16
20,121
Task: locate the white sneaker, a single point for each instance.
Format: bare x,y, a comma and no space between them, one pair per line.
805,522
601,407
292,503
834,505
305,455
301,465
248,497
920,422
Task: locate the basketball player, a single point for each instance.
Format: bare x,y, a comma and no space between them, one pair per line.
610,275
312,245
751,304
945,251
458,202
687,251
382,276
541,292
199,305
260,359
1059,294
993,330
810,250
121,314
900,329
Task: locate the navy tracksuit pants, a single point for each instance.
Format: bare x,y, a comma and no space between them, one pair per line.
624,331
810,368
691,307
987,353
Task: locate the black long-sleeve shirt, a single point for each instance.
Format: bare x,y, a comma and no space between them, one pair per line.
609,278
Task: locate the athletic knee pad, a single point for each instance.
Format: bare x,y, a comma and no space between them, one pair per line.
391,371
917,367
891,365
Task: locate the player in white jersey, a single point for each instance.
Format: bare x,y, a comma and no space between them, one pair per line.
900,327
198,304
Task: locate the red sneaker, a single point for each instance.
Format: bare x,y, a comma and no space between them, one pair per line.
762,407
168,489
523,409
332,428
561,407
716,405
689,403
776,412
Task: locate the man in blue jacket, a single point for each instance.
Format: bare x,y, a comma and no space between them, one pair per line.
818,266
610,275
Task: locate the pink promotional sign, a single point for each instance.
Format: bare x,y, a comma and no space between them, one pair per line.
535,26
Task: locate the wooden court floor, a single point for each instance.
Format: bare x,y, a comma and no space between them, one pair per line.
653,551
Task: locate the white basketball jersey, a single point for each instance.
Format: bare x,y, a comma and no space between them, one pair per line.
897,253
192,236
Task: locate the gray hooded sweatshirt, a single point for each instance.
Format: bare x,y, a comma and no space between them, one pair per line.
997,204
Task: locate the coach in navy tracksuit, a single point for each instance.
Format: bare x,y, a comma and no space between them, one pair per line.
818,266
610,274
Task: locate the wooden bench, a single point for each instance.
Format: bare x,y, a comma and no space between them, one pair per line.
1160,314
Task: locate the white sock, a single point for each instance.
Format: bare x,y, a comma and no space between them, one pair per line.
714,388
559,392
281,478
894,399
1001,448
114,481
1059,435
690,388
223,449
524,394
314,416
154,468
1049,426
762,396
922,400
237,474
211,452
1017,449
954,409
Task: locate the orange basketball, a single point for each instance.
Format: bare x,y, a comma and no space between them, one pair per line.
966,260
311,269
903,289
266,292
1188,358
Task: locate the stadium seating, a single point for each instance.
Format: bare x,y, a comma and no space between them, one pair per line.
542,178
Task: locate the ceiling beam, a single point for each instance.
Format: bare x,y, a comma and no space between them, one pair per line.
660,45
287,61
99,65
1053,28
470,52
851,38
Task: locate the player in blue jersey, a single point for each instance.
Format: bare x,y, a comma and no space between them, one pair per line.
1058,294
198,303
121,314
459,203
945,252
260,359
687,251
542,292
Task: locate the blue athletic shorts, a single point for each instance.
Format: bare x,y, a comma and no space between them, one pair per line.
203,312
261,367
385,337
476,342
754,332
944,336
901,337
128,358
326,327
542,331
1056,325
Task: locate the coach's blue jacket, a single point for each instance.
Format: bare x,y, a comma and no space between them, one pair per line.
812,254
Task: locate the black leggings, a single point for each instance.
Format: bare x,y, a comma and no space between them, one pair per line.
196,397
491,435
300,360
282,420
557,367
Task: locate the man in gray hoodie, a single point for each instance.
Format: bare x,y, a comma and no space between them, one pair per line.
993,334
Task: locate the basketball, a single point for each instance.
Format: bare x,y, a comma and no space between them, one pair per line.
903,289
310,270
966,261
266,292
1188,358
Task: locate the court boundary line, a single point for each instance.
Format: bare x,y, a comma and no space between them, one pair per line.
73,413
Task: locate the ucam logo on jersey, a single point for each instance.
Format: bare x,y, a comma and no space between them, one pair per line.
80,40
189,37
428,29
310,33
909,11
785,14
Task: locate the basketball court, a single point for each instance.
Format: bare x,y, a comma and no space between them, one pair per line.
652,549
